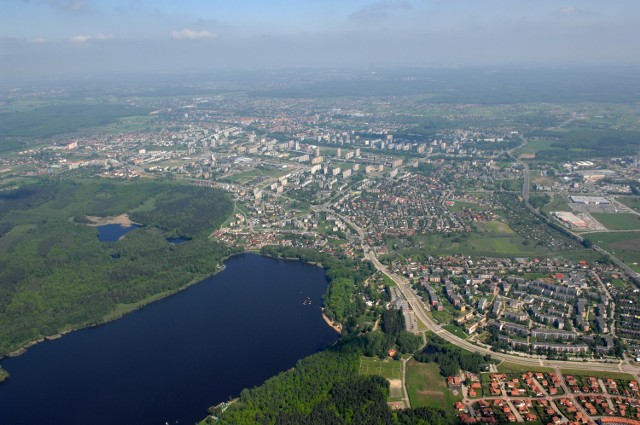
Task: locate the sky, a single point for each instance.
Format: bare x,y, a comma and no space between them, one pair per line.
43,38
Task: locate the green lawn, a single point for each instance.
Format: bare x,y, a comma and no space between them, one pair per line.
427,388
507,367
389,369
387,280
456,330
618,221
598,374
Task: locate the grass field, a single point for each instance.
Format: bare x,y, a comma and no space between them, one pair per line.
632,202
495,227
387,280
558,203
427,388
390,369
598,374
618,221
534,146
488,243
456,330
624,245
506,367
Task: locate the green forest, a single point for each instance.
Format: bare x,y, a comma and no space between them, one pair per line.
55,275
324,389
586,143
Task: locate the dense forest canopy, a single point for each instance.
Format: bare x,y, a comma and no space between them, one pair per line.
56,275
324,389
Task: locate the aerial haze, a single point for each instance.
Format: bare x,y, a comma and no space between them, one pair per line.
81,37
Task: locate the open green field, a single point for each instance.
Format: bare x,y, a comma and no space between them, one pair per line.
456,330
588,255
624,245
507,367
389,369
598,374
427,388
632,202
488,243
494,227
533,146
387,280
618,221
558,203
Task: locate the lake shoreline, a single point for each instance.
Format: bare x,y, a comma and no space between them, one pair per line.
335,326
181,336
115,315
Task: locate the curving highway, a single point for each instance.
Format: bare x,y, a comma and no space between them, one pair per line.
416,304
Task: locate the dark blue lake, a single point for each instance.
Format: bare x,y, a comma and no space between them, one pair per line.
113,232
174,358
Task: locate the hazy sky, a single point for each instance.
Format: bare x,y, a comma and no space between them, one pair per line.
51,37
